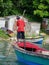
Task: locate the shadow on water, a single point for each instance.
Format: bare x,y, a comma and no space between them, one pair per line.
11,58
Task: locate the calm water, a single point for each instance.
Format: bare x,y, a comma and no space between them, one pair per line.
10,59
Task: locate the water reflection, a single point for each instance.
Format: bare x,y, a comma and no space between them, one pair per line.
3,47
10,59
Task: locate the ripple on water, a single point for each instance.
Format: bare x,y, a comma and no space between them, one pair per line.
10,59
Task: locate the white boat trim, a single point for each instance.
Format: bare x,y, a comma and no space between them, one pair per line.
45,52
34,40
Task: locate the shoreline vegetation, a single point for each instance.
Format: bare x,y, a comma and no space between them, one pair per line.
4,35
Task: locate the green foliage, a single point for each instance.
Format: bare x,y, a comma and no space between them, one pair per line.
38,8
41,13
3,34
47,1
41,8
6,7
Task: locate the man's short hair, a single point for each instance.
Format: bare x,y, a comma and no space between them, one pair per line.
18,17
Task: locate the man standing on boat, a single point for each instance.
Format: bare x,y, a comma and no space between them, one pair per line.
20,24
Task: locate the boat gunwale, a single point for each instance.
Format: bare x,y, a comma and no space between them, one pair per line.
35,37
29,52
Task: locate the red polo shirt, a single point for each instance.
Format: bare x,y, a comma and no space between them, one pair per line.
20,25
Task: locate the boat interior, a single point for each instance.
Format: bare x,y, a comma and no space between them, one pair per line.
29,47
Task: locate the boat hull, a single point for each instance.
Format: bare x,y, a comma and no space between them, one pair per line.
31,59
37,40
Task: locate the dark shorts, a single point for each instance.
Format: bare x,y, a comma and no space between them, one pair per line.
20,35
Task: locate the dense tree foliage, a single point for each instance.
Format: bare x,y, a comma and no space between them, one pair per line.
39,8
5,7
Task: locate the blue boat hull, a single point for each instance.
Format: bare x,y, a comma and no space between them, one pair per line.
39,42
31,59
26,62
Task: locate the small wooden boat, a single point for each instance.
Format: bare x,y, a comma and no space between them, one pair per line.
31,54
37,40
